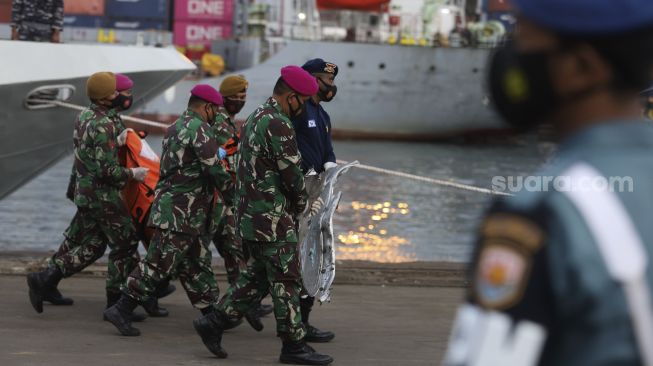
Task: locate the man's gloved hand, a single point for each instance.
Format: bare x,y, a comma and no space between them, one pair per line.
122,138
139,174
316,206
329,164
222,153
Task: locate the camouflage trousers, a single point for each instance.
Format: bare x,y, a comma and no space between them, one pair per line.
86,240
27,33
229,245
173,254
273,268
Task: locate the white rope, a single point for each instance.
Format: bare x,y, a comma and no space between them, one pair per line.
395,173
441,182
139,121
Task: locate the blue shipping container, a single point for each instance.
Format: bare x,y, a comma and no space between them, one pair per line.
141,9
83,21
136,24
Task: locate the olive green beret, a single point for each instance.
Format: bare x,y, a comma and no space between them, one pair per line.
232,85
101,85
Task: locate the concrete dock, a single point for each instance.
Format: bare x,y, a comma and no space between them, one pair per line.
375,324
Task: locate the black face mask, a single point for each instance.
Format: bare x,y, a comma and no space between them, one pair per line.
295,112
520,87
328,93
122,102
233,106
211,114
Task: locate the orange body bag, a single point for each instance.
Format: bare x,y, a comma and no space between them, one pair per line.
139,196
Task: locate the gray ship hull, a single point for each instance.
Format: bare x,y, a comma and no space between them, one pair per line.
383,91
31,140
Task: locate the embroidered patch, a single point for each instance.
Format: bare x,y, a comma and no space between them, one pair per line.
501,276
311,123
330,68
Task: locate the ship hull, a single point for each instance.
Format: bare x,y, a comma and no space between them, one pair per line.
31,140
383,91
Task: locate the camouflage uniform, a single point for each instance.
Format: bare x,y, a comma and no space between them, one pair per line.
101,217
181,213
226,240
270,194
36,19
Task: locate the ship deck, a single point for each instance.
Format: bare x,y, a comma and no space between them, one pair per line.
377,321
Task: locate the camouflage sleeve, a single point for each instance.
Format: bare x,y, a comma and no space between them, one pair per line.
72,181
16,12
206,149
284,149
106,154
57,18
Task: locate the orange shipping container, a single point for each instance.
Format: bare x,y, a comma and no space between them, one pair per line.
83,7
499,6
5,11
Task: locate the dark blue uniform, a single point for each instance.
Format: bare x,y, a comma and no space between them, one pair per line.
313,131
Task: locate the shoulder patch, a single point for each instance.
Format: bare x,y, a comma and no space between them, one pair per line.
507,246
501,276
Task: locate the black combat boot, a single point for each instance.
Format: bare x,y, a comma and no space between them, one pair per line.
318,336
120,315
232,323
112,299
41,284
313,334
153,309
254,319
54,297
164,289
210,327
299,353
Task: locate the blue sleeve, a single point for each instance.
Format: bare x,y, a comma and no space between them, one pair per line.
330,155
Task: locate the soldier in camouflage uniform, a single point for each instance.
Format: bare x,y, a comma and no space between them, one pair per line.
234,91
228,243
271,195
75,234
181,213
101,217
36,20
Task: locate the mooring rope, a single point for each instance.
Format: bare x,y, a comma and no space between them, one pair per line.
441,182
139,121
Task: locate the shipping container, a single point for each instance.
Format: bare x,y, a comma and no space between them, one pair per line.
500,6
208,10
5,11
83,21
136,24
140,9
83,7
199,33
